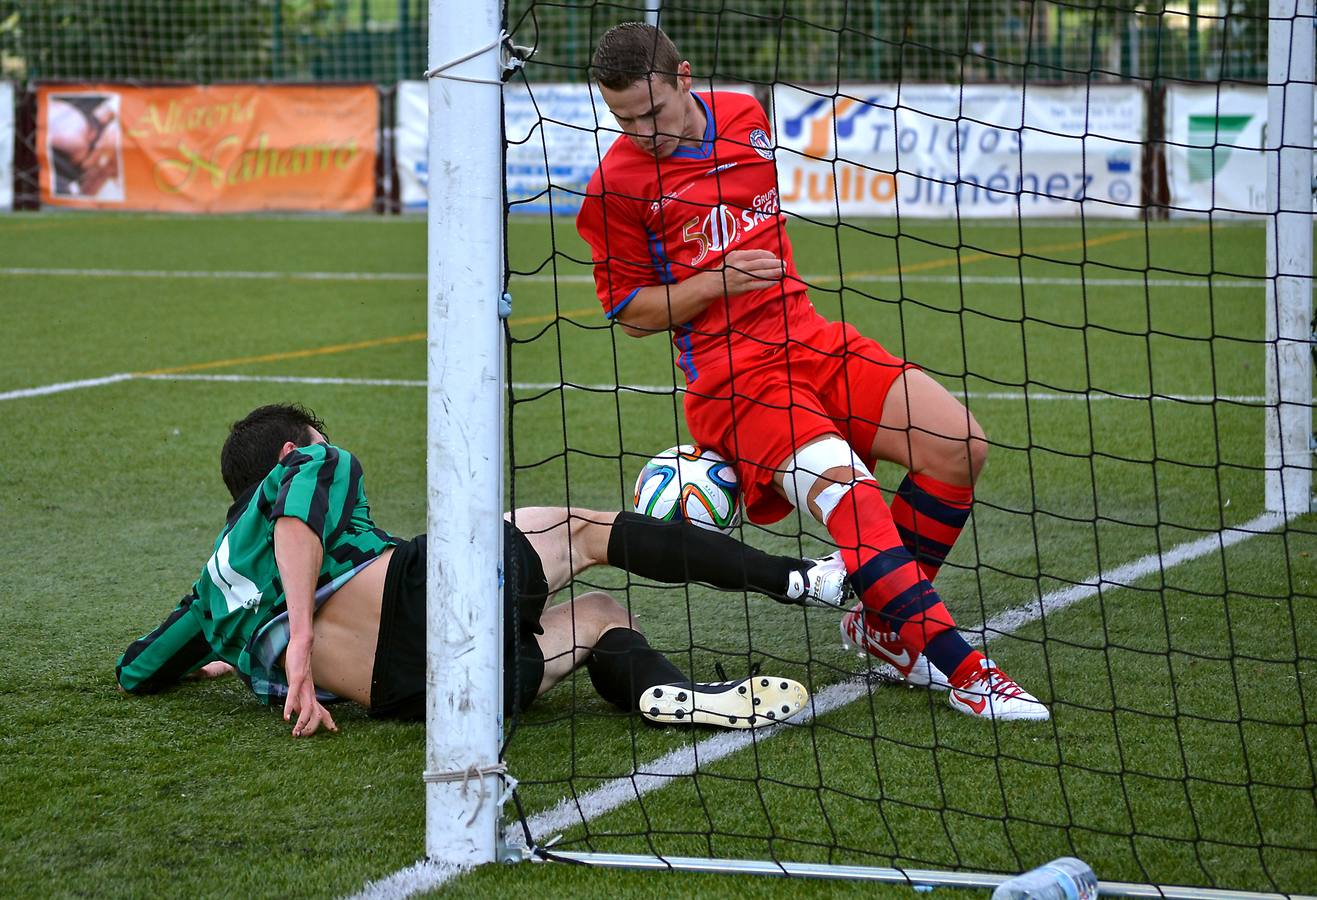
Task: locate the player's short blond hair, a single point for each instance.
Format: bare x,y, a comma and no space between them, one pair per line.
631,52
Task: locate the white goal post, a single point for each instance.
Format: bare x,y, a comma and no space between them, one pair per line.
1289,257
464,458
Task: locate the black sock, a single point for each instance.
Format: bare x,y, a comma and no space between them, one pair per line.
623,666
678,552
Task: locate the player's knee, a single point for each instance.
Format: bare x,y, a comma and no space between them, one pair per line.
819,475
537,519
978,454
589,531
597,612
958,461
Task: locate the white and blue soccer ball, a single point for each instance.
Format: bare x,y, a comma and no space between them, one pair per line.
690,483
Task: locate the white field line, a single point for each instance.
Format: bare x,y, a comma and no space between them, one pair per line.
969,395
82,216
218,274
1013,396
415,879
287,379
1016,617
686,761
63,386
1216,283
417,217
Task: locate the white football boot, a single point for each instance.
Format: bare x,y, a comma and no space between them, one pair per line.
911,667
749,703
993,695
824,583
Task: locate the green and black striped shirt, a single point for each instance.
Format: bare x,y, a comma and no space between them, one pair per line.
236,610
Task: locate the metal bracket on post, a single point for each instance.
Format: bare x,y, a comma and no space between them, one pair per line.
508,853
515,57
512,852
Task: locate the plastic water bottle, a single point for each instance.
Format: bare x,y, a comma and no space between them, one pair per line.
1066,878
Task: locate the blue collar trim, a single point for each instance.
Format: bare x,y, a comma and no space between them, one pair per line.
705,150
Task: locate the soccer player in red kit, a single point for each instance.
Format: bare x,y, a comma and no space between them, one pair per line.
686,234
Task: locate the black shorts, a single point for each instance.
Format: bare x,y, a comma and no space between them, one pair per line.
397,686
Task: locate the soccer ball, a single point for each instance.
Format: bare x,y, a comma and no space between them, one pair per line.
690,483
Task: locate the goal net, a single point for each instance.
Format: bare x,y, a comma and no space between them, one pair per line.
1062,212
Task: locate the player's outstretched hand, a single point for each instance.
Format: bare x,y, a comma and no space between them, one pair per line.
751,270
302,693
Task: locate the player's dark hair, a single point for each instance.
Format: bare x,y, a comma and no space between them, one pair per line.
252,448
633,51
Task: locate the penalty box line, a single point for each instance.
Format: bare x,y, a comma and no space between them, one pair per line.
1205,281
687,761
661,389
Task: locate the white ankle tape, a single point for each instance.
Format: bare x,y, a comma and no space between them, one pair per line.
829,497
806,466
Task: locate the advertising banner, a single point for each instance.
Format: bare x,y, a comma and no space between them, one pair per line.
556,134
6,145
411,125
1214,156
960,150
218,148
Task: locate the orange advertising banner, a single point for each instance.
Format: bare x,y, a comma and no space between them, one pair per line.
217,148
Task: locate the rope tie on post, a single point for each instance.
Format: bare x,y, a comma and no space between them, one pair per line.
512,58
471,773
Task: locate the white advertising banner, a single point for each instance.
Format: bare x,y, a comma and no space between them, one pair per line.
1214,157
556,134
409,144
6,145
973,151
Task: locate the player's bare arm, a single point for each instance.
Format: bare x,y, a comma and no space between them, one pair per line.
298,554
657,308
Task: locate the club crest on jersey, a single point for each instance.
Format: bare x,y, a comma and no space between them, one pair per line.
763,146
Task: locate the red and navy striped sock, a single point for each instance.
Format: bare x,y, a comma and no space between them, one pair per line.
895,593
929,516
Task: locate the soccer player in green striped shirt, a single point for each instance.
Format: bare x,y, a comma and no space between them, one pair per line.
301,565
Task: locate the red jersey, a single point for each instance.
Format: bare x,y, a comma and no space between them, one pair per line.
655,221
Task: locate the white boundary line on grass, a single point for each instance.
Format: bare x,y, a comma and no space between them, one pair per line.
218,274
289,379
572,811
417,217
1205,281
60,387
415,879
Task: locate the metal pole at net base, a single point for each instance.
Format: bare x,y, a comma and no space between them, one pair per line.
881,874
464,463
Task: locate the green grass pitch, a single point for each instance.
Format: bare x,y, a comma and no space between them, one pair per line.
1181,745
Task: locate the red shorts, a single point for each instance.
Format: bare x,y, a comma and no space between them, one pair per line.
836,382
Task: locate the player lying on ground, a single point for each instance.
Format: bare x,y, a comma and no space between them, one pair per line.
300,564
687,235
